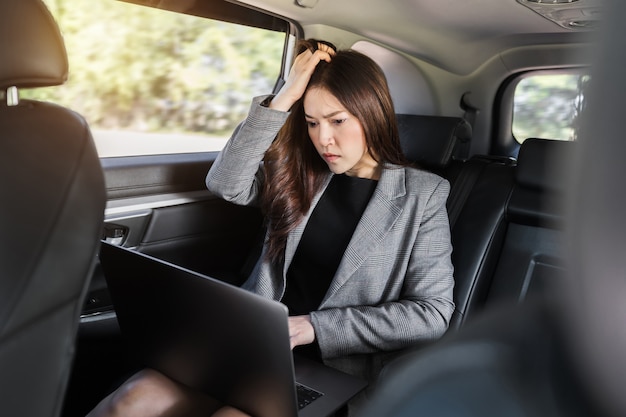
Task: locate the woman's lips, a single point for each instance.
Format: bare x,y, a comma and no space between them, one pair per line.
330,157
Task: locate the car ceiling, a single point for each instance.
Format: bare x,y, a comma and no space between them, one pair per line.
455,35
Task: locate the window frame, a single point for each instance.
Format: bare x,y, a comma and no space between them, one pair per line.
236,13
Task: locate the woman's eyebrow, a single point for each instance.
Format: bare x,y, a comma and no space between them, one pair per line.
329,115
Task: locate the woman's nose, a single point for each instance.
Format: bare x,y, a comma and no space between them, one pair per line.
325,136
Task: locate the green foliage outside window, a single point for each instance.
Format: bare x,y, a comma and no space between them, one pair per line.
548,106
149,70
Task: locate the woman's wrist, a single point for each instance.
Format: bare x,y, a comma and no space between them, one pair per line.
281,103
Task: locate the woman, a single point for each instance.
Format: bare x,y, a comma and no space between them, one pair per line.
358,243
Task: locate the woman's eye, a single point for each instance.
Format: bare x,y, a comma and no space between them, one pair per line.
311,124
338,121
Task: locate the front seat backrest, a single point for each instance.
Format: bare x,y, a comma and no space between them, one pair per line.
51,214
431,141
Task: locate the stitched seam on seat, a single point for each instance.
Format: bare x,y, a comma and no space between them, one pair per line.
37,319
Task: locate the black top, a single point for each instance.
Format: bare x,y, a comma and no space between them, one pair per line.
324,241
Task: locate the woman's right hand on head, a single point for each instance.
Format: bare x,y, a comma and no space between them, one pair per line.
299,76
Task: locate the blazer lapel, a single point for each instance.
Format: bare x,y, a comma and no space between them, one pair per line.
380,215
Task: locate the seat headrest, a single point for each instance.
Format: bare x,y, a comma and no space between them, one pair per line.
31,46
430,141
541,164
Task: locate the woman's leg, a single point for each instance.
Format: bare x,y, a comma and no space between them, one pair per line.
227,411
151,394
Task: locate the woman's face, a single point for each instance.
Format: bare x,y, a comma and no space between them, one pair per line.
338,136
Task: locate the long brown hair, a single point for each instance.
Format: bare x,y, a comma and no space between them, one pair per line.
294,171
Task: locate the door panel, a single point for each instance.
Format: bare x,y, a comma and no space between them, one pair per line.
159,205
154,175
210,236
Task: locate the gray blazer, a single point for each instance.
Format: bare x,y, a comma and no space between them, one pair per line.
393,287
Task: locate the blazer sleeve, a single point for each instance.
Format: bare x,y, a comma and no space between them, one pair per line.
422,310
237,174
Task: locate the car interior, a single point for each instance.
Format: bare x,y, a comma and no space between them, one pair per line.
492,95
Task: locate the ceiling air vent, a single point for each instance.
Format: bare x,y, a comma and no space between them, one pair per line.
552,1
570,14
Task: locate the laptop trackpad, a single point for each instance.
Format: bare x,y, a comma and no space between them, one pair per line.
331,383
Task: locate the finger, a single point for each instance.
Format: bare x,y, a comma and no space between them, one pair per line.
323,55
312,58
325,48
324,52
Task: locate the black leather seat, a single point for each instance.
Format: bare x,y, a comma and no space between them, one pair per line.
51,216
477,212
533,249
479,194
504,219
432,141
507,237
480,189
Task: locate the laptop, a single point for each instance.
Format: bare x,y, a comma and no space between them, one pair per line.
218,338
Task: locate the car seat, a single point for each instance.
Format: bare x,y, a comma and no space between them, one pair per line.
51,215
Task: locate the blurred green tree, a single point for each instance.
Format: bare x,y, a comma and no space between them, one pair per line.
547,106
140,68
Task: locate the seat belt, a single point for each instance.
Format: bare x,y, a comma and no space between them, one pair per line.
469,114
462,188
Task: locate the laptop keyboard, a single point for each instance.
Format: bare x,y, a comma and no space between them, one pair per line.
306,395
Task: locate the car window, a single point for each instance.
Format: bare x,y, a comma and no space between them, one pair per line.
548,106
151,81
